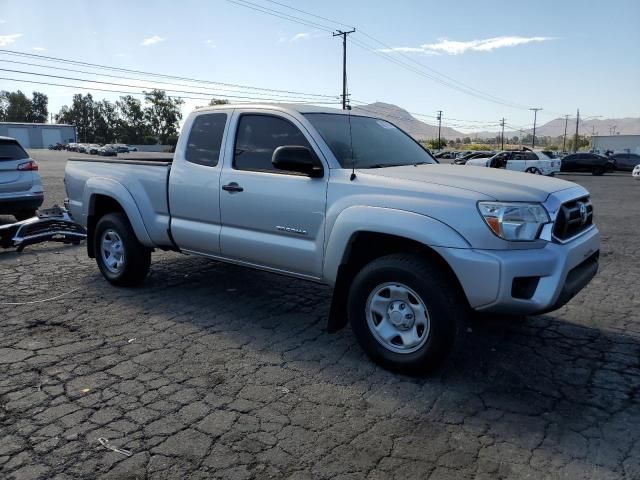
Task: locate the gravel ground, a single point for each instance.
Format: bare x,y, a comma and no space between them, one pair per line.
212,371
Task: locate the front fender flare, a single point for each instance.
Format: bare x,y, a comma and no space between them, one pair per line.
402,223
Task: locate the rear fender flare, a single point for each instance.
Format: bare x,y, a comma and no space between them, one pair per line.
116,191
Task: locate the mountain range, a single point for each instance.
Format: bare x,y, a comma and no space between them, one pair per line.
422,131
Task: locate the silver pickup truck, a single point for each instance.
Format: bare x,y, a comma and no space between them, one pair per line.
409,245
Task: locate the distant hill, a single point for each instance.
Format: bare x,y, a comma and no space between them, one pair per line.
407,122
424,131
555,128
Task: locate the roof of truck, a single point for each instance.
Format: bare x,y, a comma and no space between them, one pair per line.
297,107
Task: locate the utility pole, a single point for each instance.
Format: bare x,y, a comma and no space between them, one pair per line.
439,126
564,139
502,136
340,33
575,142
535,117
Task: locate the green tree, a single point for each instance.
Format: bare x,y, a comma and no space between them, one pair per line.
106,122
4,105
162,114
583,143
132,125
18,107
433,144
466,140
39,108
82,115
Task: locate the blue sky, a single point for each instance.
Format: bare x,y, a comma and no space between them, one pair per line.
558,55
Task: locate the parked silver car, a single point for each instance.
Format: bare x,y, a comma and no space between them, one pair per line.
21,190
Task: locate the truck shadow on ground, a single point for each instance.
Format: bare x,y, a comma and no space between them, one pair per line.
533,366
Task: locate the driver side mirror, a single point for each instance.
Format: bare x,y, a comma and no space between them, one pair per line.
297,159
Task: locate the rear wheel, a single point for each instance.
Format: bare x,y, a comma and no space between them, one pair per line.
597,171
534,170
25,214
403,313
122,259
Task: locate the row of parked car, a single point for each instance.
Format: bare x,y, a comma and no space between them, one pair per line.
543,162
108,150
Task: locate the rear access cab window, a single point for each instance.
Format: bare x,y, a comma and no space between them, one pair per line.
205,139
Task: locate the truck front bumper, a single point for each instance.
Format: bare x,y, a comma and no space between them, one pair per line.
528,281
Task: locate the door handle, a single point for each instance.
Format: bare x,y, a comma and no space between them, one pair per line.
232,187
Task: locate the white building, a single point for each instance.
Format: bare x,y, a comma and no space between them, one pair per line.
616,143
38,135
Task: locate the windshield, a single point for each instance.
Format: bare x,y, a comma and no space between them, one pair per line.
11,150
376,143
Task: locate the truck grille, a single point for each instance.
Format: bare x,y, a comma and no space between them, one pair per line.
573,218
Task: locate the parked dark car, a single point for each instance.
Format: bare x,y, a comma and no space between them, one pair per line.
626,161
587,162
107,151
445,155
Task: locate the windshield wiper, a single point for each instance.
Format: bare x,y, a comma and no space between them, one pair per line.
421,163
382,165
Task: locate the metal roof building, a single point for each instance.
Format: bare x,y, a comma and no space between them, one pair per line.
38,135
616,143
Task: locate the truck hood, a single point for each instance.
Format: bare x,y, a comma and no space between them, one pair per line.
501,185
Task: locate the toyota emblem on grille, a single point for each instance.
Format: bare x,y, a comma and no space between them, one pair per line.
584,216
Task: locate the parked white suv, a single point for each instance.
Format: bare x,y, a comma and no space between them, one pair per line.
20,184
528,161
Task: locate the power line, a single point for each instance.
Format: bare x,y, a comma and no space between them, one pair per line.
142,93
120,77
275,13
131,86
153,74
451,82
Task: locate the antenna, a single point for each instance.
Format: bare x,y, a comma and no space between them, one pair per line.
353,157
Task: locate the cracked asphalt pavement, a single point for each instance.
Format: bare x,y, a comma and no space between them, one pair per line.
213,371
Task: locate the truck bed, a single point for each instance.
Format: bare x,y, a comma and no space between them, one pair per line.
141,183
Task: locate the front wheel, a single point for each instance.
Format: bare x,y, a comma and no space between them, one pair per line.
403,313
597,171
122,259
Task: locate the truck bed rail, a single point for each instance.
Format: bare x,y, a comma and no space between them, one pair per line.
160,162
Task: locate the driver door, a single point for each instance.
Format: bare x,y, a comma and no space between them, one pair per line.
270,217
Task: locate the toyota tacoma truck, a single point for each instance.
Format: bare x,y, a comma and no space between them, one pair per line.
408,245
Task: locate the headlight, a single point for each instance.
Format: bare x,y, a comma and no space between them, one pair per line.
514,221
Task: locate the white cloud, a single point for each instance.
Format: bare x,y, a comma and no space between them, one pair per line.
152,40
6,40
209,43
39,49
2,20
454,47
299,36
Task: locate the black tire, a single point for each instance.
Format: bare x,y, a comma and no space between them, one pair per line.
597,171
533,170
136,257
434,290
25,214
